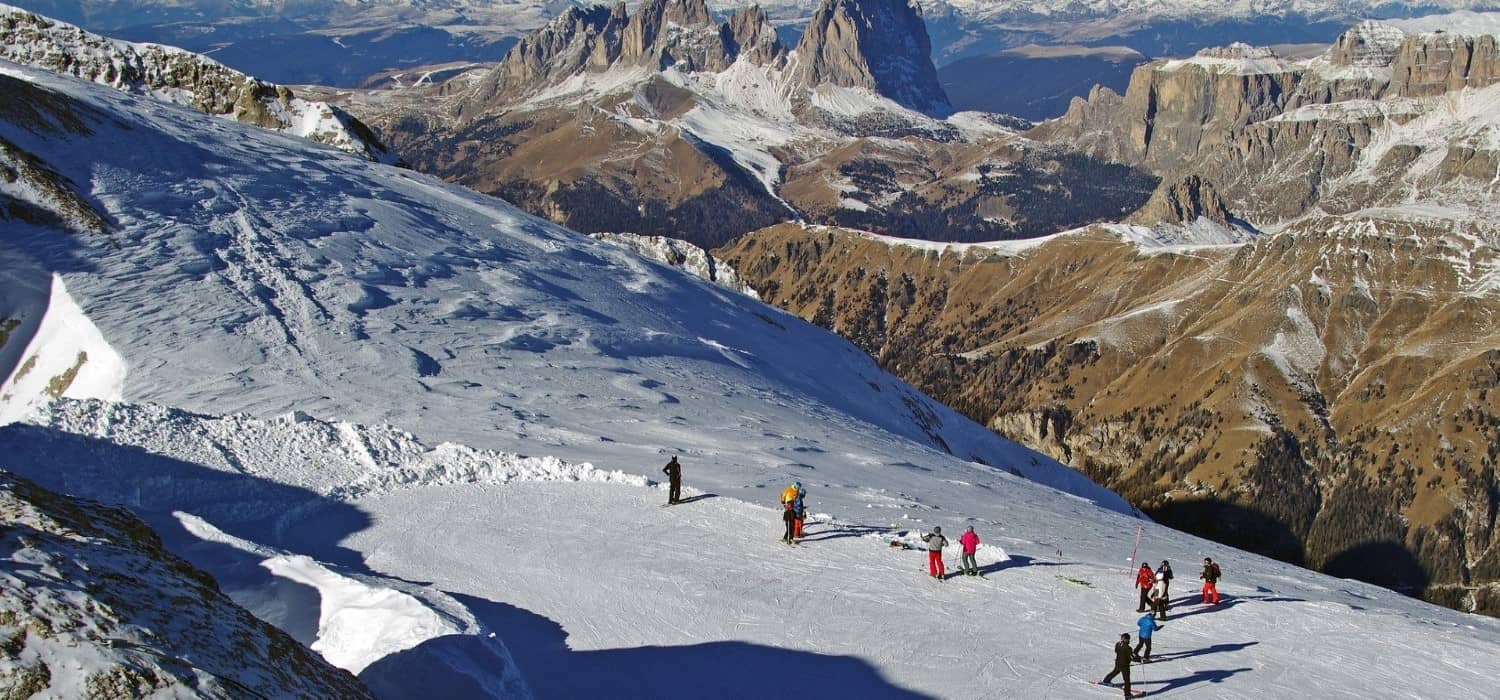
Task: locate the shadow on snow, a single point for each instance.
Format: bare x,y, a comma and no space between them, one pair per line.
727,669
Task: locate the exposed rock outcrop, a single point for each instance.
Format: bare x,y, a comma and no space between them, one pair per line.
1182,201
93,606
179,76
1293,396
678,33
1279,138
879,45
750,35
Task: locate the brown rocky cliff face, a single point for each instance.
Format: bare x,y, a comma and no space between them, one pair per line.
668,32
1294,397
750,36
880,45
1183,201
578,39
1433,64
1279,138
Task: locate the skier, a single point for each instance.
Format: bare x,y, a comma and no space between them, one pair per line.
790,518
673,470
1144,580
1122,663
799,509
970,544
1159,596
1210,576
1147,625
1166,570
935,544
789,493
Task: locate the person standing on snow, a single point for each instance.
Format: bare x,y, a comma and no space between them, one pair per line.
1144,580
935,544
1165,571
1147,625
673,470
1122,662
799,509
1210,576
970,544
790,518
789,493
1159,597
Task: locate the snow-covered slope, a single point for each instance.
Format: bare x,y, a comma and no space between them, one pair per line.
342,379
388,297
174,75
93,607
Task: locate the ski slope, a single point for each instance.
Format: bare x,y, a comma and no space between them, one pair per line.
418,430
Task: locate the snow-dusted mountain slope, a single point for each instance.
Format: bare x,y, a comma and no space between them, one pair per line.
94,607
174,75
348,362
283,278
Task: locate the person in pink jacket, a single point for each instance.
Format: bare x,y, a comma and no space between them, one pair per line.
970,543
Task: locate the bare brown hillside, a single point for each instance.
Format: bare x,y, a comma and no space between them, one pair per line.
1327,396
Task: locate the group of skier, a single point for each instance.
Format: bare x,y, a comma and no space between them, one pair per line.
936,542
1155,586
1155,595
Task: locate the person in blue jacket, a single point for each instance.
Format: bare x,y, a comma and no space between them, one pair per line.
1147,623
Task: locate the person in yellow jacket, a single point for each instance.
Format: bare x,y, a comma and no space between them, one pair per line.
791,498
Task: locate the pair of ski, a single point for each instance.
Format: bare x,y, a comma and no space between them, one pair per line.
1133,693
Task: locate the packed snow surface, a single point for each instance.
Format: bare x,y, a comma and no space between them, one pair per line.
395,417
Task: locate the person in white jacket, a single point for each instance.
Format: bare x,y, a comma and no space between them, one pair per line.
935,544
1159,596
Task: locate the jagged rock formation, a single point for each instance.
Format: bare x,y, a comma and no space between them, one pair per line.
1327,396
1280,139
681,255
1183,201
662,123
750,36
94,607
879,45
179,76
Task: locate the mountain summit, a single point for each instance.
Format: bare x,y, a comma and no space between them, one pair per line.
880,45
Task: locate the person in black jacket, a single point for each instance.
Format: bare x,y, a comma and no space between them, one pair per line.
1166,571
1123,657
673,470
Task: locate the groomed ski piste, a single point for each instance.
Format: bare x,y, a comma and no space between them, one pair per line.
422,432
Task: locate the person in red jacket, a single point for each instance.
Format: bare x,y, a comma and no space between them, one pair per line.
970,543
1144,580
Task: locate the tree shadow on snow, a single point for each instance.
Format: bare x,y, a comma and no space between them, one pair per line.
709,670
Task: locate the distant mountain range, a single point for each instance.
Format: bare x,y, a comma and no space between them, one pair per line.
343,42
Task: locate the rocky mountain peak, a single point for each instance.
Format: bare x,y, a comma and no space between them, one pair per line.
1238,51
578,39
1369,44
674,32
750,35
1183,201
879,45
1435,63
